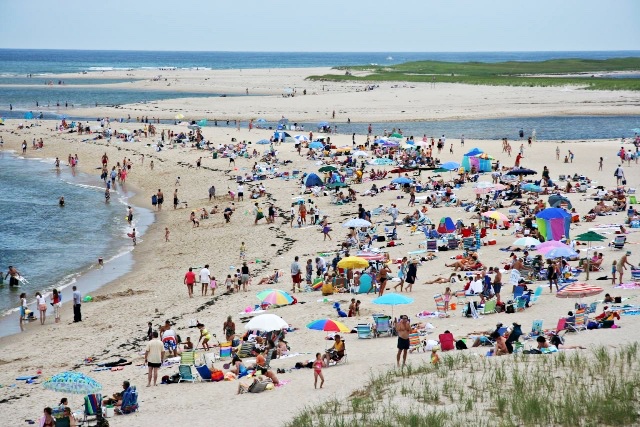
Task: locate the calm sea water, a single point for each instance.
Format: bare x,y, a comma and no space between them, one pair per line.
48,244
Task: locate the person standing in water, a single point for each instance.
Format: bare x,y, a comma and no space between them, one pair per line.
13,275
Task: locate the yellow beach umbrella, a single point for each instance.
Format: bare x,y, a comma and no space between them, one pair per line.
352,262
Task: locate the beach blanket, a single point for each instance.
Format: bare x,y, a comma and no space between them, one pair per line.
426,314
630,285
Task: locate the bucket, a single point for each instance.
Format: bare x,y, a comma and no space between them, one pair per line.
109,411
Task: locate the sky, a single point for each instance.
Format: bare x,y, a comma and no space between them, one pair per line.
322,26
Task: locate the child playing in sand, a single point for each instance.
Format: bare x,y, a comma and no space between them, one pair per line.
205,336
614,266
166,234
447,298
243,251
435,359
317,371
229,283
358,308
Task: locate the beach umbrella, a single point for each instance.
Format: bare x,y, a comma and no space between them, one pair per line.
545,247
202,122
337,185
356,223
316,145
328,168
474,152
450,166
179,116
402,180
521,172
590,236
371,256
390,144
301,138
328,325
28,115
395,135
578,290
261,121
381,162
559,201
275,296
380,141
392,299
532,188
263,142
561,252
266,322
440,170
323,124
498,216
353,262
359,153
72,382
526,241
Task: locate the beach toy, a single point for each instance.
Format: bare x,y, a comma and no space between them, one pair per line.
231,267
87,298
258,261
248,310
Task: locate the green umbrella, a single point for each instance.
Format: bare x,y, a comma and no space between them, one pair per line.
395,135
328,168
440,170
589,237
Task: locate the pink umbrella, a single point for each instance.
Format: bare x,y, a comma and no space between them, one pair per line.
579,290
545,247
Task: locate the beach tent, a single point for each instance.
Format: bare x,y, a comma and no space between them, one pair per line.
446,225
313,180
556,201
202,123
278,135
553,223
472,159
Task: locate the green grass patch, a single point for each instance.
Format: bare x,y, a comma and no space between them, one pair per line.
512,73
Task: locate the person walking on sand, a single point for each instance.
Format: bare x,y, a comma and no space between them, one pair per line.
293,214
403,329
621,266
175,199
160,197
258,213
166,234
619,174
205,279
190,280
212,192
153,357
244,278
41,303
317,371
55,302
77,305
296,276
229,329
325,230
412,272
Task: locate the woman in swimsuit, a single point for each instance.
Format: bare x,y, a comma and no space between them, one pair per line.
47,419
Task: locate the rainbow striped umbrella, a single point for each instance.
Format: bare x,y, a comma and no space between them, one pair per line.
498,216
328,325
579,290
275,296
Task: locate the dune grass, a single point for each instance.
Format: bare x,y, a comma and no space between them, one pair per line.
565,389
512,73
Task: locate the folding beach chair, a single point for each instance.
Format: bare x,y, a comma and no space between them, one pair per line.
461,297
521,304
592,307
188,358
382,325
364,330
469,243
415,342
246,349
440,308
536,328
129,401
619,241
92,408
453,244
580,322
204,372
432,245
536,295
489,307
562,325
635,276
186,374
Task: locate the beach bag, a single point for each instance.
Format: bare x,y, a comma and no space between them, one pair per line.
624,181
592,325
217,375
461,345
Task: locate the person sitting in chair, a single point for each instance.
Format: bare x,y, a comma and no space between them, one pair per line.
336,352
116,399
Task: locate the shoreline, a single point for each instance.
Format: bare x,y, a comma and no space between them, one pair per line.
90,278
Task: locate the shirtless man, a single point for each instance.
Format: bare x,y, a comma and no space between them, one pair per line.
403,329
13,274
620,267
160,197
497,282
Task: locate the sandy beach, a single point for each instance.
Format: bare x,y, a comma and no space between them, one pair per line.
115,325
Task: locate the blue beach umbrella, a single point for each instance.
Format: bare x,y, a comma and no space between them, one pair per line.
561,252
402,180
392,299
450,166
72,382
263,142
532,187
316,144
323,124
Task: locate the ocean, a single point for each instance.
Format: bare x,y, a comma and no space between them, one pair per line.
50,245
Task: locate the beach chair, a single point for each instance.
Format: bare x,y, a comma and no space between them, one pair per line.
635,276
521,304
518,291
246,349
129,401
432,245
364,331
258,386
561,326
580,323
536,328
415,342
536,295
447,342
92,409
188,358
562,177
632,200
461,297
440,308
382,325
204,372
469,243
619,241
453,243
489,307
592,307
186,374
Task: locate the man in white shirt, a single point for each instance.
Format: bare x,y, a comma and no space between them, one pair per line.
240,192
205,279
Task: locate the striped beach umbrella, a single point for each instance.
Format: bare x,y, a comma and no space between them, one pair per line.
328,325
275,296
579,290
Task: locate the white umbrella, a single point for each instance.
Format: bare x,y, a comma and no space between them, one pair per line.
359,153
301,138
125,131
356,223
266,322
526,241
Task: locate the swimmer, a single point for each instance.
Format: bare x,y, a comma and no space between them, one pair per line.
61,201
